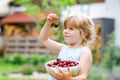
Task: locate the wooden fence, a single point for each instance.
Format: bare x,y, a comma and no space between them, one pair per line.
24,45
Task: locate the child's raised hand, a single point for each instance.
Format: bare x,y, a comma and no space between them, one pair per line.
52,17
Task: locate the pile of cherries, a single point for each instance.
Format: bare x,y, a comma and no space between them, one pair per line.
63,63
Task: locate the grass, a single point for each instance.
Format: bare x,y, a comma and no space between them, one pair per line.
9,68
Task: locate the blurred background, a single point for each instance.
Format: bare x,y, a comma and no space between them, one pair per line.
22,57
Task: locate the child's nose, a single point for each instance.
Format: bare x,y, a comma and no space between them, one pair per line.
65,31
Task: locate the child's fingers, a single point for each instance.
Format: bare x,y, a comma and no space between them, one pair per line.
52,16
56,75
69,71
60,70
49,18
55,18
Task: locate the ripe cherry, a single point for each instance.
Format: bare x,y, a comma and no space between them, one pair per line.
56,25
63,63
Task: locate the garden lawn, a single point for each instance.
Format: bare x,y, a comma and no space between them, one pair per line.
9,68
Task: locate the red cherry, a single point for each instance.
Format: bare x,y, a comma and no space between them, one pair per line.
58,60
49,64
55,63
63,63
56,25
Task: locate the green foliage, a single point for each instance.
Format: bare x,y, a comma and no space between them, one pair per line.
6,59
98,73
1,60
111,54
40,68
15,59
56,5
85,1
32,9
116,70
35,58
27,69
40,24
47,57
9,68
67,2
22,1
18,59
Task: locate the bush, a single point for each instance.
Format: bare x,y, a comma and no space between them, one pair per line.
47,57
27,69
111,54
35,58
18,59
98,73
41,68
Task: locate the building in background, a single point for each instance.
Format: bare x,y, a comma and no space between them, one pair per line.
7,7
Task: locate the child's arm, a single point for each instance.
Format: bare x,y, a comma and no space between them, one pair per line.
85,64
44,34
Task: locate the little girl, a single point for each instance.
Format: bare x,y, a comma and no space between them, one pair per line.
79,34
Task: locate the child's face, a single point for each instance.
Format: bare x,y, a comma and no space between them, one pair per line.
72,35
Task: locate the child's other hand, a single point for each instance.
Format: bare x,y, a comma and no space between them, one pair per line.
62,75
52,17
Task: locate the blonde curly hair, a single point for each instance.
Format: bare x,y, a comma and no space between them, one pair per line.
85,25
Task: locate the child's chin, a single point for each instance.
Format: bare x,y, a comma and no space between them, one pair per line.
67,42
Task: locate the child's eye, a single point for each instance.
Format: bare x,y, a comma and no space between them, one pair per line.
65,28
71,28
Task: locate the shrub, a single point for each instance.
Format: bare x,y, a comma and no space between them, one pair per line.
35,58
98,73
111,54
18,59
47,57
41,68
27,69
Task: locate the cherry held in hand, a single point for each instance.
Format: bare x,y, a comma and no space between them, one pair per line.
56,25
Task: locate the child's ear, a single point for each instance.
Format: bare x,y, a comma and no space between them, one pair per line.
82,34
